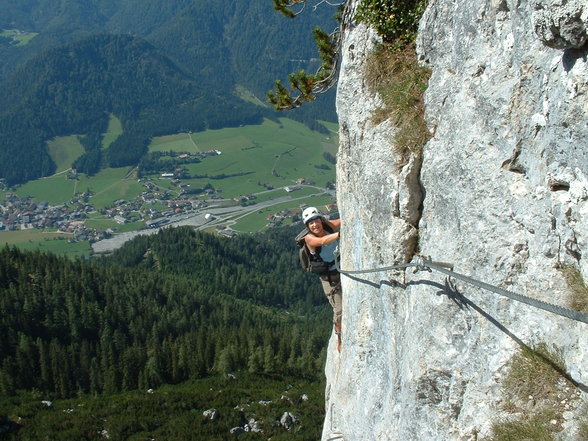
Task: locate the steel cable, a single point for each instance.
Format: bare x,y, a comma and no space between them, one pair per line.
425,263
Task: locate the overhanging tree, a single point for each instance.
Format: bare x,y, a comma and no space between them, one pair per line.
396,21
304,86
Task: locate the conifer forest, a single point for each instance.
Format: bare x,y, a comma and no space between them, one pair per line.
162,310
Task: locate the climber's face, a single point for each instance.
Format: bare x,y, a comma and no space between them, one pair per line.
316,227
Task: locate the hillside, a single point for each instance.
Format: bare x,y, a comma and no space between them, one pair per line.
73,89
66,66
164,309
201,37
220,407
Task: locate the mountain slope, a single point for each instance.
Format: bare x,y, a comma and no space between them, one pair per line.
70,73
73,89
101,328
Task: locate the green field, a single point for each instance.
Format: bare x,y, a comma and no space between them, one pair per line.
49,241
64,150
61,247
101,223
55,189
105,223
275,154
114,131
109,185
257,220
268,154
331,146
279,192
181,142
252,158
20,37
21,236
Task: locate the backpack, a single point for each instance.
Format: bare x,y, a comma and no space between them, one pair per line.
308,261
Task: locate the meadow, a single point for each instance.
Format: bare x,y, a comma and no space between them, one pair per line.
253,159
256,221
106,187
114,131
20,38
43,240
64,150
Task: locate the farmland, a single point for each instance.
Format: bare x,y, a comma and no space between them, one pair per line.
239,167
275,154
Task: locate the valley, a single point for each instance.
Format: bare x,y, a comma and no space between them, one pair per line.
231,181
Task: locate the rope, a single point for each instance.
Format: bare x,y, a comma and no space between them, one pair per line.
426,264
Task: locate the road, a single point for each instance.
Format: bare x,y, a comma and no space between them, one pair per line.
197,219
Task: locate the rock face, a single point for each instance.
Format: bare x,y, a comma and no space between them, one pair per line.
502,194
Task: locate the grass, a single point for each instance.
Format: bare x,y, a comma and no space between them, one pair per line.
395,75
64,150
59,246
181,142
114,131
533,373
254,145
257,220
536,428
583,429
536,387
110,185
107,186
578,289
43,240
271,153
55,189
103,223
279,192
20,37
130,226
100,223
248,96
33,235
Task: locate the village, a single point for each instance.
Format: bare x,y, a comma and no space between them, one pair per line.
154,207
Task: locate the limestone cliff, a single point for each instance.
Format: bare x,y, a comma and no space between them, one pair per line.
501,193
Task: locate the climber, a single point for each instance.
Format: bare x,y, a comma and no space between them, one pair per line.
322,241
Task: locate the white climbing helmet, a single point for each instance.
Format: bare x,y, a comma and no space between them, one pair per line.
309,214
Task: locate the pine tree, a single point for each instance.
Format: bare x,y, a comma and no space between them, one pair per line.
305,85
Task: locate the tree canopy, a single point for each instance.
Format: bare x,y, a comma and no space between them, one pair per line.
163,309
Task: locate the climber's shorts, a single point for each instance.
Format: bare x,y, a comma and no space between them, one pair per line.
332,288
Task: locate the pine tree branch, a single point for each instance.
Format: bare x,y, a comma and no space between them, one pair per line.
309,85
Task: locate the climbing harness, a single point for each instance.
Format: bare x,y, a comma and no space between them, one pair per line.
424,263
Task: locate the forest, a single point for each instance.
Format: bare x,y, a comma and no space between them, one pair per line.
163,309
70,90
159,68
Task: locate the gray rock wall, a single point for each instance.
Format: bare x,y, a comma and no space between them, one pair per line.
502,194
